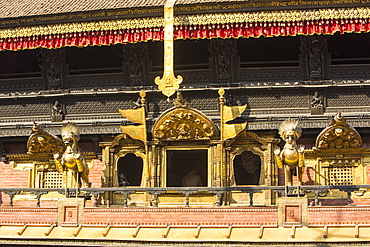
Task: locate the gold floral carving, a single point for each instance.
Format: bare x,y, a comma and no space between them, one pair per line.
43,143
269,17
184,123
338,135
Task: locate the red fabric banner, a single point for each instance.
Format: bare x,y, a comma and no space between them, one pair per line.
231,30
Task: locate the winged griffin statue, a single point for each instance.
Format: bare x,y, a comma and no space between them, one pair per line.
68,157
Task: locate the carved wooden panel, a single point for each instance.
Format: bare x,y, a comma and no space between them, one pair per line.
314,57
88,82
348,98
13,109
223,60
274,100
135,64
97,106
27,85
269,74
184,123
350,72
53,67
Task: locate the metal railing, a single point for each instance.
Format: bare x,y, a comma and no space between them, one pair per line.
219,192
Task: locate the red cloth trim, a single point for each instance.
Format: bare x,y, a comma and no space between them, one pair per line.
232,30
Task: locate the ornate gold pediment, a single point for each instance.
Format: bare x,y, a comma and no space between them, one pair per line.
247,137
42,143
127,141
184,123
338,135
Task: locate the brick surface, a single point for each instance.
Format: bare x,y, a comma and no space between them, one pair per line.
338,216
11,178
95,174
181,216
31,215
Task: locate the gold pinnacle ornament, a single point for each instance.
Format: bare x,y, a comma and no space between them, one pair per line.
168,84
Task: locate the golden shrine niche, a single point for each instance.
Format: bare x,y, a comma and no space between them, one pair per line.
248,164
339,155
182,139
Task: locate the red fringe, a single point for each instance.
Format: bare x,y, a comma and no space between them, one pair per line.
233,30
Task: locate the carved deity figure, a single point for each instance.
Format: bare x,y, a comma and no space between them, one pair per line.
52,61
316,100
57,109
291,157
72,158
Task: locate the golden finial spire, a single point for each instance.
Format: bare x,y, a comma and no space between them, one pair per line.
168,84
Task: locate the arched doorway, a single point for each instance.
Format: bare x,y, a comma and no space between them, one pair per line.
247,168
130,169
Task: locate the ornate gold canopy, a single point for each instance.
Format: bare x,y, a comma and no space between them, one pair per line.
42,143
184,123
339,135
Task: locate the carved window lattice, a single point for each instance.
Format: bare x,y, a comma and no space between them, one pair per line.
103,106
348,99
53,180
203,103
24,109
284,100
339,175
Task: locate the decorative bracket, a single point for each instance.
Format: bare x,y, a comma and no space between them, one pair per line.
168,84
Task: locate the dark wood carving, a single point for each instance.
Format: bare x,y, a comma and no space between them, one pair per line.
269,76
314,57
57,112
53,64
135,64
223,60
317,104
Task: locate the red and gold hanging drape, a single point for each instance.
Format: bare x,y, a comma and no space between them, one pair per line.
205,26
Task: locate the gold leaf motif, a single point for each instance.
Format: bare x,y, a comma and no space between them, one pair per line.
184,123
339,135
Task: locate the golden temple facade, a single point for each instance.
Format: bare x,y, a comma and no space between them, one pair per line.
182,123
